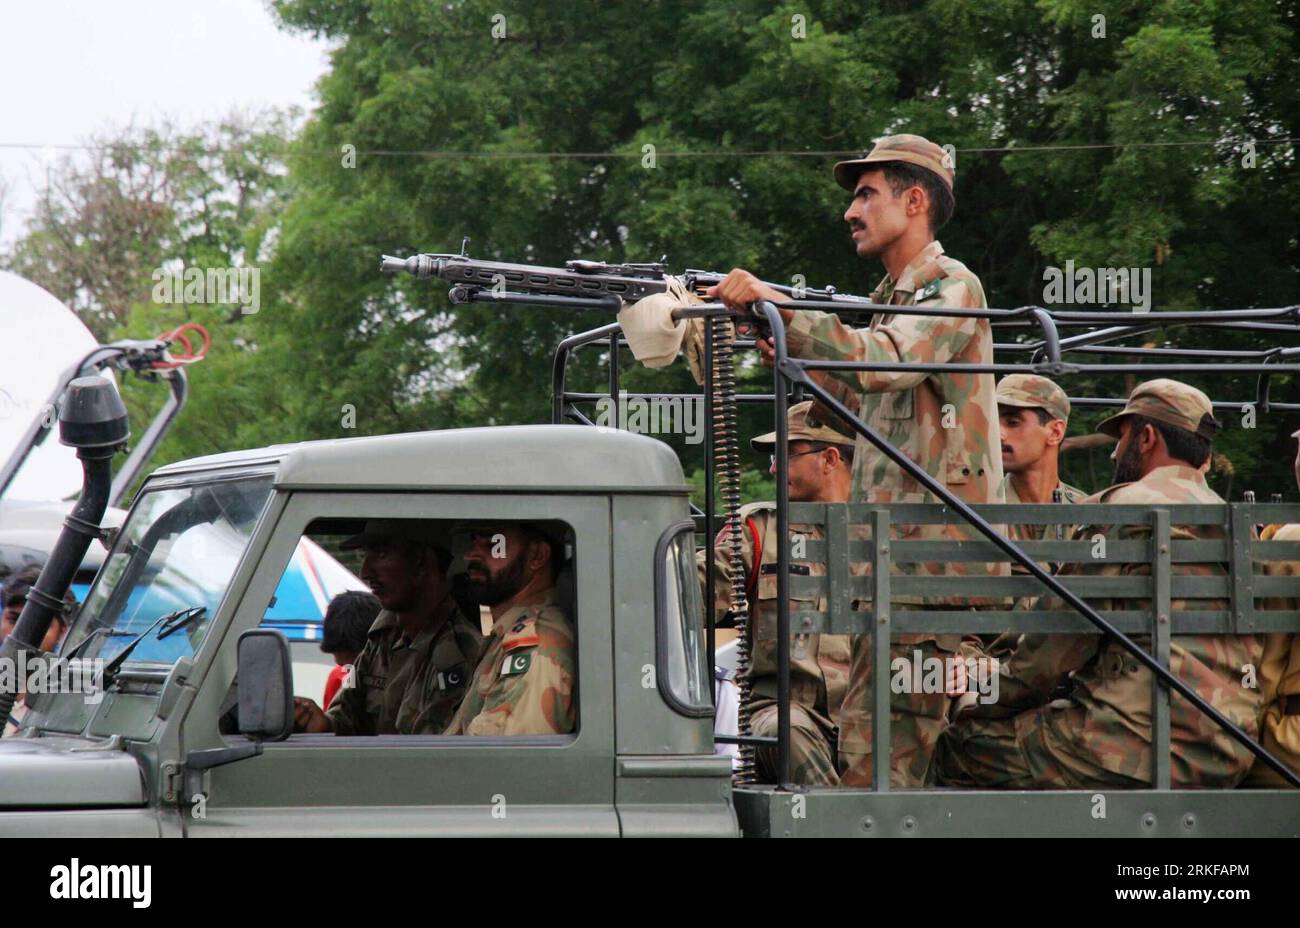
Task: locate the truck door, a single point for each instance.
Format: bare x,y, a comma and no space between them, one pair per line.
422,784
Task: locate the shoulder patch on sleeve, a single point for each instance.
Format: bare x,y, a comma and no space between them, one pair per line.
453,678
930,290
515,664
523,634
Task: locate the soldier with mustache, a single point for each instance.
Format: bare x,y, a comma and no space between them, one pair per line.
944,420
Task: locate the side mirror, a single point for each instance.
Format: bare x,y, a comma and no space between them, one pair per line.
265,685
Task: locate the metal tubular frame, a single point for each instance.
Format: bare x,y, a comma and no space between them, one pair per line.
791,375
93,362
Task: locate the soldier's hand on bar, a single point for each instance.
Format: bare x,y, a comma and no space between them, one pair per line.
740,288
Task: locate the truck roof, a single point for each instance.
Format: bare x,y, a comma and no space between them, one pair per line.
571,458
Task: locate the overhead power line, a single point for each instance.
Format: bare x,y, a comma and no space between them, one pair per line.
667,153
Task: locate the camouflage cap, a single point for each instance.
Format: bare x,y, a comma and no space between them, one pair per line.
1032,391
912,149
802,427
1170,402
420,531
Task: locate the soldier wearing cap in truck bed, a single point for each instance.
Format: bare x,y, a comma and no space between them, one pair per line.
820,471
945,421
1033,415
1099,735
415,667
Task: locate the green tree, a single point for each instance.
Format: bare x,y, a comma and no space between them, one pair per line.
144,202
720,80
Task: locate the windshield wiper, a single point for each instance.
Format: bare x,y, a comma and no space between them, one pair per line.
171,622
180,619
95,633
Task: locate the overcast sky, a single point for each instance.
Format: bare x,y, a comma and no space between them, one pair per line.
71,68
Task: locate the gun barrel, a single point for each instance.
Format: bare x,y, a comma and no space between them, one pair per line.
390,265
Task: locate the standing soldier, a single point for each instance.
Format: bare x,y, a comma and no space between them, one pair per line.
820,471
1099,737
944,421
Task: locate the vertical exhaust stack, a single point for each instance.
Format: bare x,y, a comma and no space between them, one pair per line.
94,421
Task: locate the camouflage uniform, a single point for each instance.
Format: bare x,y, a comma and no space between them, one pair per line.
819,664
408,686
1005,643
523,684
946,422
1100,736
1279,676
1029,391
1069,494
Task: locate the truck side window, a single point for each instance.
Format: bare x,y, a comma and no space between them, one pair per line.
360,668
681,671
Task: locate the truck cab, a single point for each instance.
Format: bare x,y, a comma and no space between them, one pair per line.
157,750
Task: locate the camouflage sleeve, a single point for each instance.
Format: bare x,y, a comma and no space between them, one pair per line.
1030,673
532,693
851,399
843,386
907,339
347,713
1028,677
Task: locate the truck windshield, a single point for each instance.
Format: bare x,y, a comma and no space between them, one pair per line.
177,551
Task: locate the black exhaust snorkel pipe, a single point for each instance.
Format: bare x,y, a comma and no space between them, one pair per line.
93,420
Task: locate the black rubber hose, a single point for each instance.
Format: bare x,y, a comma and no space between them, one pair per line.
93,420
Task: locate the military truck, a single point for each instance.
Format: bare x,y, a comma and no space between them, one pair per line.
191,731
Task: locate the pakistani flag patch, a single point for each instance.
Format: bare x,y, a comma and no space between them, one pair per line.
930,290
515,664
452,679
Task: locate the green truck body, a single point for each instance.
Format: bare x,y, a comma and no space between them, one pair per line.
642,761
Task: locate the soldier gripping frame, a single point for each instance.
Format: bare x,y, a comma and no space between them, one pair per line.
789,373
1046,360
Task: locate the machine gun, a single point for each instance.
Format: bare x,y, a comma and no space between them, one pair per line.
597,285
579,284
